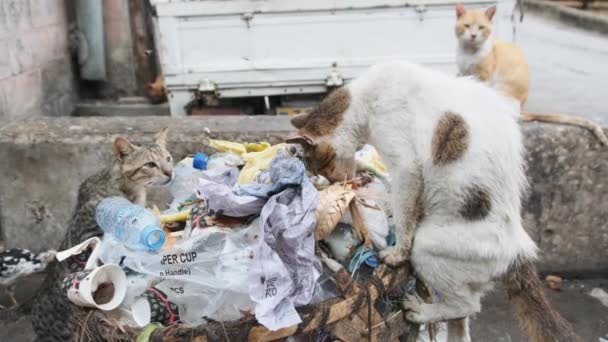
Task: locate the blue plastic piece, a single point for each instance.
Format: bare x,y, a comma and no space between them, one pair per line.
200,161
363,255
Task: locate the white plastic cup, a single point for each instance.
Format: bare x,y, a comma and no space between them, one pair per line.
155,306
102,288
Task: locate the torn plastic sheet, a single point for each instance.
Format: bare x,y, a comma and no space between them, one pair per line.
214,261
91,249
223,175
221,199
285,268
284,172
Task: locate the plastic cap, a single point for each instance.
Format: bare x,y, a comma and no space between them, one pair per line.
152,237
200,161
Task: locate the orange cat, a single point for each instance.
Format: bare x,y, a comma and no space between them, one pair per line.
502,65
157,92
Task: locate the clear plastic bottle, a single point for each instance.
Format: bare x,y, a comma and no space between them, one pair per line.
135,226
184,183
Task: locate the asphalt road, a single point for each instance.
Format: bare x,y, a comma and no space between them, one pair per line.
568,66
496,322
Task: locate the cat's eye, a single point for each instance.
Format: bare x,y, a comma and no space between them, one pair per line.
467,25
169,158
150,164
481,27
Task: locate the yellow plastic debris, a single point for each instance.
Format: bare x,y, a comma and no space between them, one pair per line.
177,217
228,146
256,162
256,147
238,148
368,158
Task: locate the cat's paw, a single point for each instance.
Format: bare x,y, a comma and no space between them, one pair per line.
413,307
394,256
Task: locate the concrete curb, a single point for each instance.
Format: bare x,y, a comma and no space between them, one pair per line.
44,160
578,18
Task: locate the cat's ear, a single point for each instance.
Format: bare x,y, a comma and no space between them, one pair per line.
300,121
161,137
122,147
490,12
460,11
304,140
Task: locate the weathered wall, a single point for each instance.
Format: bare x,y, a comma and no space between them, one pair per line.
120,62
35,70
44,161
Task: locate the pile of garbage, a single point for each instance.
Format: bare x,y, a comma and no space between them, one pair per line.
244,234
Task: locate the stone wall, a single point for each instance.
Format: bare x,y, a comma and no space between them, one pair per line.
44,161
35,70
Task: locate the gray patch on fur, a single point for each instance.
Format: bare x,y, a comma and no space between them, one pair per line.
477,203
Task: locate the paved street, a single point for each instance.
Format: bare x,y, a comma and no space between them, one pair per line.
569,68
496,322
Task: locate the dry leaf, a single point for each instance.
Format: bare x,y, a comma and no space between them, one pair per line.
333,203
359,225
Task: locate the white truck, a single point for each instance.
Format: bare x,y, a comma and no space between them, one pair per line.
272,48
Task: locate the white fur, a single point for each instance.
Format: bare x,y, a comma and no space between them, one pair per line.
396,107
467,56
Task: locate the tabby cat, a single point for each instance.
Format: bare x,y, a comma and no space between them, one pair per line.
133,170
503,65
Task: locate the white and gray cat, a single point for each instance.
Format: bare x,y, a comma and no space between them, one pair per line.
454,150
133,170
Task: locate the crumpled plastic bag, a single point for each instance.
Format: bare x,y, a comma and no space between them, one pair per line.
223,175
225,159
136,285
215,261
285,268
196,303
284,172
222,199
342,242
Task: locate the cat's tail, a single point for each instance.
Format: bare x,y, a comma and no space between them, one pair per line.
568,120
537,318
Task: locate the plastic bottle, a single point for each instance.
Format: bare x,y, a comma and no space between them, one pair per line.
189,170
184,183
135,226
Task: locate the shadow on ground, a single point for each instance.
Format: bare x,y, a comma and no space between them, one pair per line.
495,324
